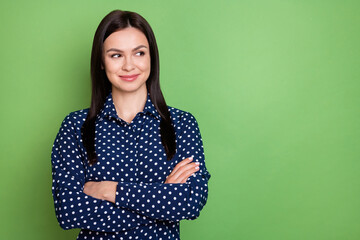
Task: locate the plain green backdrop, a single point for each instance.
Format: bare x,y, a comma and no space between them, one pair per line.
274,86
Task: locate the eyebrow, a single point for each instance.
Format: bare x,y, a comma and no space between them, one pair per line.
118,50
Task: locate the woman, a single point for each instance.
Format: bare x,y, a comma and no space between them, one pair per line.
129,167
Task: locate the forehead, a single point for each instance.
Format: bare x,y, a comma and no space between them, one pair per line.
127,38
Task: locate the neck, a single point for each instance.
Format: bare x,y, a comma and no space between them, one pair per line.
127,105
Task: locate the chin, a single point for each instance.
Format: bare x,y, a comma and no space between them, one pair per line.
128,89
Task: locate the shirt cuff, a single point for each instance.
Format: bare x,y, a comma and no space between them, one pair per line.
122,194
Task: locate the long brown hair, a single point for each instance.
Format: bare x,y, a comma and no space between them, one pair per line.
101,86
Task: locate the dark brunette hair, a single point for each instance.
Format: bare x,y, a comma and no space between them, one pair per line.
101,86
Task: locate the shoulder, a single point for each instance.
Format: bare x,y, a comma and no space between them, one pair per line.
182,118
75,119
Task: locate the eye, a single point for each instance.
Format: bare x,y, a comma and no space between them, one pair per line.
141,53
117,55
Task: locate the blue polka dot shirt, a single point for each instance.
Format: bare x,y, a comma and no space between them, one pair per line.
132,155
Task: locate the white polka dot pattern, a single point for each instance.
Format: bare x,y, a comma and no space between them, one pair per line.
131,154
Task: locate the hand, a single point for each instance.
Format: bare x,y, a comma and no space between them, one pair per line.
182,171
104,190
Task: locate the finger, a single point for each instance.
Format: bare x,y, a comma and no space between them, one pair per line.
185,168
180,164
183,177
174,178
170,180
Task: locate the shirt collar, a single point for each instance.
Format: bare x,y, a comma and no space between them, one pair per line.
110,111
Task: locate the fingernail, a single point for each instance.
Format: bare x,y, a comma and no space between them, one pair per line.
197,163
191,157
196,167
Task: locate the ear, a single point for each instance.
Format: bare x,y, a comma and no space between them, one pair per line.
102,67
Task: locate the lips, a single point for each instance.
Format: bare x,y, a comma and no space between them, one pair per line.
129,78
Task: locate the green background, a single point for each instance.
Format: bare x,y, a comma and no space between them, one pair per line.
274,86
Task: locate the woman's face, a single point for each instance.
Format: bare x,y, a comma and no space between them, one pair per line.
127,60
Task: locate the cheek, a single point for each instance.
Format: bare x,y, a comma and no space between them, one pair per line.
144,65
111,66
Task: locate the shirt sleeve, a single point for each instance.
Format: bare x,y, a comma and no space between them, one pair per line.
172,202
73,208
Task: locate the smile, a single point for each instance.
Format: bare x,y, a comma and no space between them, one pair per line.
129,78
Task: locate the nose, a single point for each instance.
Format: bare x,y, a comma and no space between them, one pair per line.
128,64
